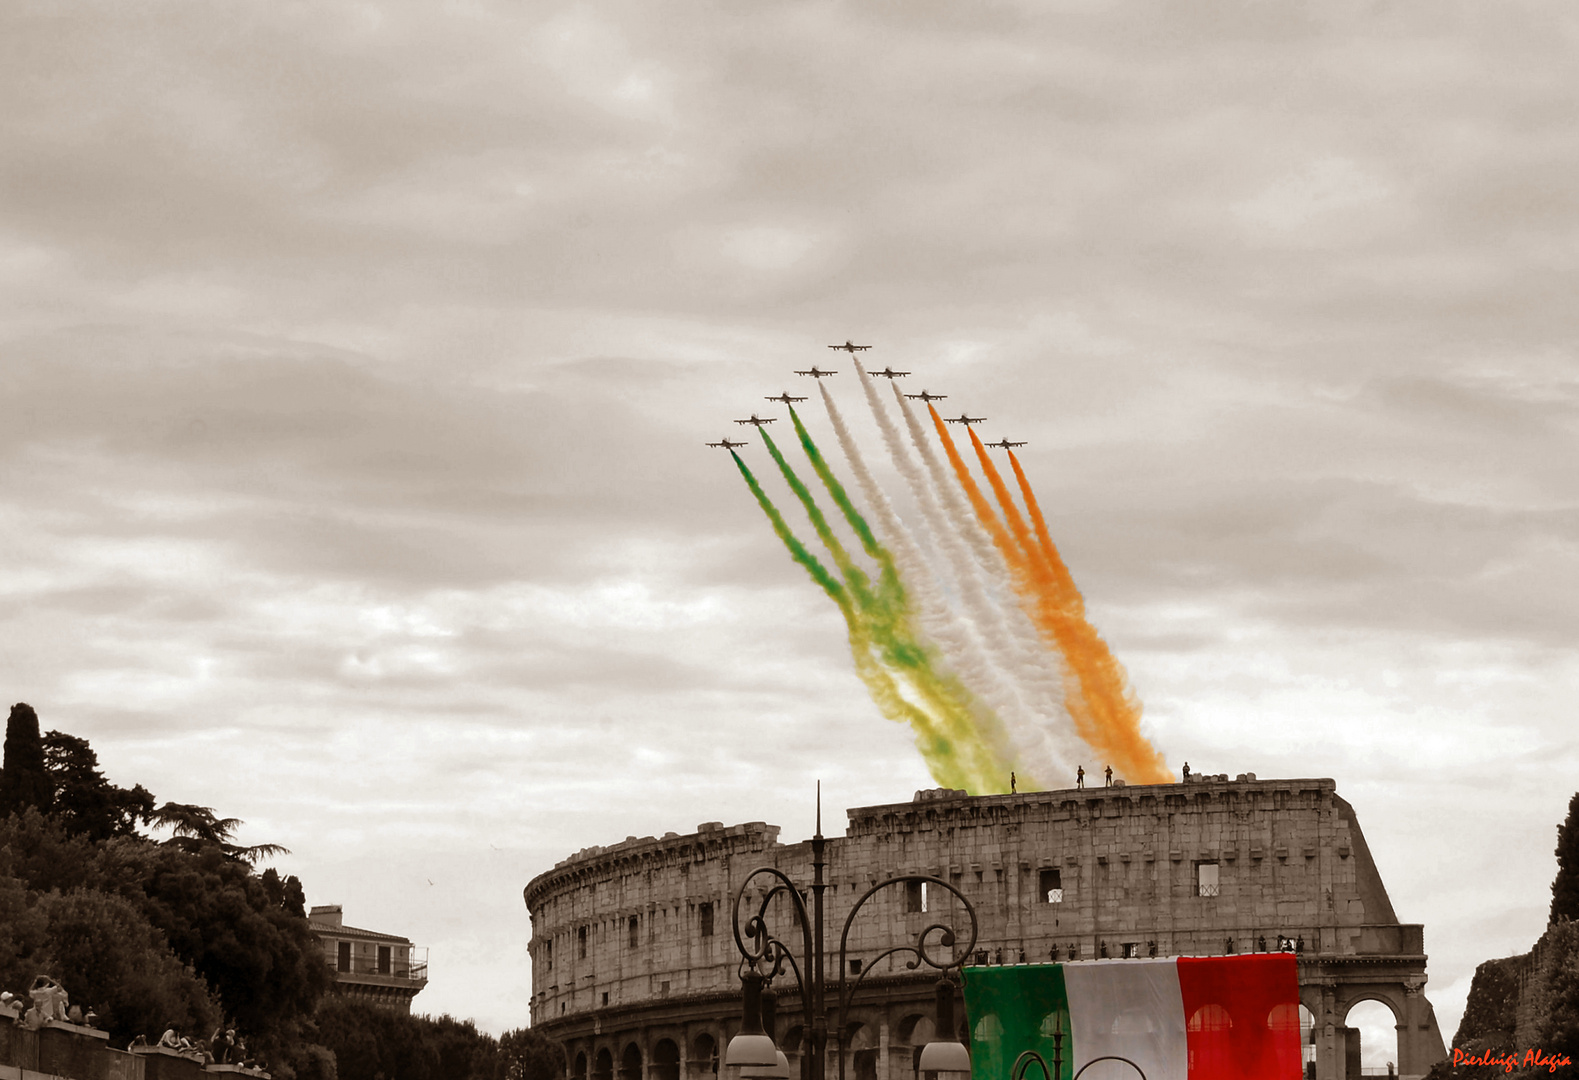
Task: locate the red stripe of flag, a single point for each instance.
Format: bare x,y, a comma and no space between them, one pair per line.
1241,1016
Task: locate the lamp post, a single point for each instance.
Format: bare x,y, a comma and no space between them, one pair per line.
764,956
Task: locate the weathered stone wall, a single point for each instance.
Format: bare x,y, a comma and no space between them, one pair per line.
647,923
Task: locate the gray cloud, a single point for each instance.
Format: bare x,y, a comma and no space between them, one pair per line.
359,359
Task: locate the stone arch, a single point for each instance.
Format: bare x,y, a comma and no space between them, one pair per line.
1370,1040
578,1068
603,1065
704,1057
793,1046
915,1029
1307,1041
665,1060
861,1050
630,1062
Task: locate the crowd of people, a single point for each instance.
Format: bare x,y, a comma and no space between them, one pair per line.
223,1047
44,1001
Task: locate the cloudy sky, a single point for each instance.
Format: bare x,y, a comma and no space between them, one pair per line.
357,360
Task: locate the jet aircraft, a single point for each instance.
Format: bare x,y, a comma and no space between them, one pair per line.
963,419
816,372
849,348
785,398
1004,444
727,445
755,421
924,396
890,373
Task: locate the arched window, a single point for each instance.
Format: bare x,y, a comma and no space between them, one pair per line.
1370,1037
578,1071
703,1064
665,1060
603,1067
1211,1041
630,1062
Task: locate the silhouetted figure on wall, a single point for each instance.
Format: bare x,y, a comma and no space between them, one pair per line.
1013,784
1080,776
1108,777
1186,772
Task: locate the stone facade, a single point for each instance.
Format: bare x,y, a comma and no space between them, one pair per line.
383,970
635,969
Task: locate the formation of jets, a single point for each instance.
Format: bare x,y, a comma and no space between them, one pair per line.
887,373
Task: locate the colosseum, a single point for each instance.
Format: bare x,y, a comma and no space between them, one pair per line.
635,969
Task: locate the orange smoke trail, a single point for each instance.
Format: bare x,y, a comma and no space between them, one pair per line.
1011,513
1105,712
1076,603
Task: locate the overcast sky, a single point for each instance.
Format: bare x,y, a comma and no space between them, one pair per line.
357,360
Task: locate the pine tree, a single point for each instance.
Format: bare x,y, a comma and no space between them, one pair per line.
1565,887
24,780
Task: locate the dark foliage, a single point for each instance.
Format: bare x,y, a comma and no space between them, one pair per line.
24,781
375,1044
152,933
262,962
530,1055
108,956
85,803
287,895
1565,887
1557,1030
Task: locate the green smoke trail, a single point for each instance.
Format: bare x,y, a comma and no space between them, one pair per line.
972,726
860,584
935,747
797,550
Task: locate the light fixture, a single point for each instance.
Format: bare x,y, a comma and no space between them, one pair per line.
944,1055
752,1047
779,1071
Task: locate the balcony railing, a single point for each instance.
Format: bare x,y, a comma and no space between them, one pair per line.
414,967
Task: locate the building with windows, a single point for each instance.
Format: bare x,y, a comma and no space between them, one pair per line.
635,970
380,969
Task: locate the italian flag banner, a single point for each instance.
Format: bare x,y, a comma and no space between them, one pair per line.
1186,1018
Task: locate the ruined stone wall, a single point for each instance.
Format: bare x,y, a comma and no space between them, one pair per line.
635,970
650,918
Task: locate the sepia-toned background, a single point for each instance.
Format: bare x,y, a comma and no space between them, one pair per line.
356,361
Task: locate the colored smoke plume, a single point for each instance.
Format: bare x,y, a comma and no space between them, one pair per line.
1105,711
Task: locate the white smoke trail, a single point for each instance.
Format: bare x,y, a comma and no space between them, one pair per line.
957,638
1041,740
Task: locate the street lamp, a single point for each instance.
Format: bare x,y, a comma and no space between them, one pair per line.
766,956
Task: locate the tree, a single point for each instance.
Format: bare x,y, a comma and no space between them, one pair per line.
263,963
24,781
530,1055
287,895
1565,887
196,827
107,955
85,802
